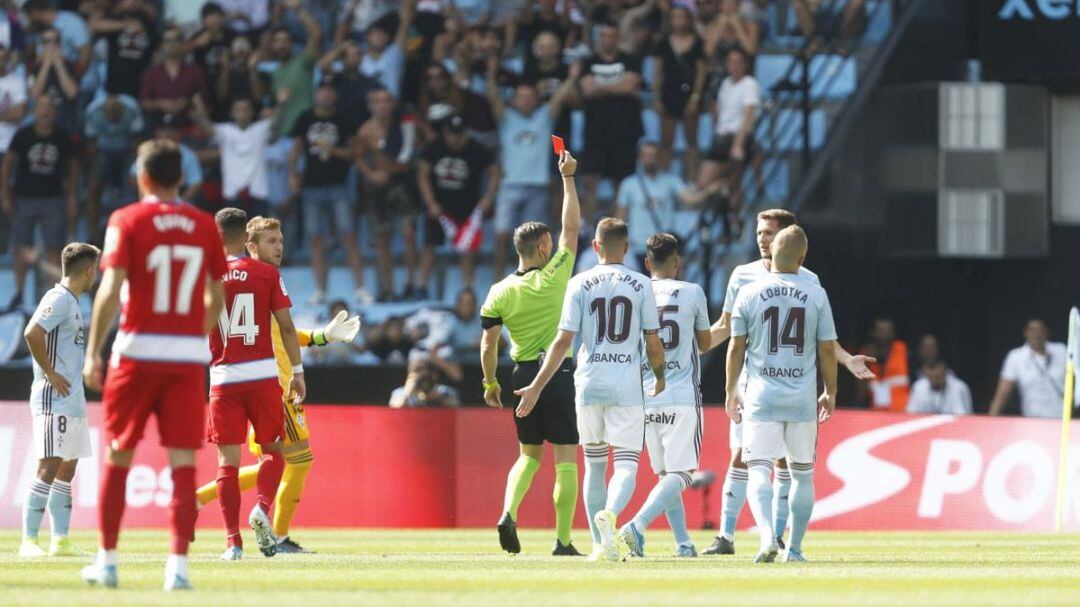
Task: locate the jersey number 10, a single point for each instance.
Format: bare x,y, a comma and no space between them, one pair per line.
793,332
612,318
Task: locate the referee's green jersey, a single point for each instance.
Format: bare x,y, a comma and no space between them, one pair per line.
529,304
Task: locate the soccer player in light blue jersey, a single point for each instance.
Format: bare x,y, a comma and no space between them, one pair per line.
782,330
673,420
56,338
769,222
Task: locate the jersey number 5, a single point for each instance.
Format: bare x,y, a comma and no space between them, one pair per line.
160,262
240,321
791,335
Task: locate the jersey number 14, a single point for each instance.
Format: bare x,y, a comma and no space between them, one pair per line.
240,321
790,334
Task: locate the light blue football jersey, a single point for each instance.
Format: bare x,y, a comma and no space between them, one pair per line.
65,341
682,310
784,316
608,307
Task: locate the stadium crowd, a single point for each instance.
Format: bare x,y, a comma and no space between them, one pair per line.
406,124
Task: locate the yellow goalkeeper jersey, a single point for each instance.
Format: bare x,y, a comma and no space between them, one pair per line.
284,366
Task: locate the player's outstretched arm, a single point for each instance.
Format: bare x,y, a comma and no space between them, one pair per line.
552,360
827,368
719,332
654,349
855,363
736,354
489,362
341,329
106,303
571,207
292,348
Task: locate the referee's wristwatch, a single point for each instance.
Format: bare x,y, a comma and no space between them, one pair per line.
490,385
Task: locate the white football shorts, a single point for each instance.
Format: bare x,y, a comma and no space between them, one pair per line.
673,436
797,441
616,426
62,436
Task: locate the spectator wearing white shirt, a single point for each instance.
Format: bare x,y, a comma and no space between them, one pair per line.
939,391
1037,368
358,15
383,60
12,99
242,146
734,116
648,199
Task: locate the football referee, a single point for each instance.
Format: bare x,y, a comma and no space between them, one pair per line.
529,303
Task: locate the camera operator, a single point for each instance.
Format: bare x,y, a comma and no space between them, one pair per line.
422,389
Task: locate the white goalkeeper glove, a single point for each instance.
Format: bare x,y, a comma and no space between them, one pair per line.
340,329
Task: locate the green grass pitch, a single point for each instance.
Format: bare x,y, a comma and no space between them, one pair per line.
455,567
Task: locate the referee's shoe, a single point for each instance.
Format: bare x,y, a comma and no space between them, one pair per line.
508,538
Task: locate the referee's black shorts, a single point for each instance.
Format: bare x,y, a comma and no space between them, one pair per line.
553,419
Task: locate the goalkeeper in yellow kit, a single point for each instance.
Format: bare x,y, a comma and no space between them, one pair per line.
265,243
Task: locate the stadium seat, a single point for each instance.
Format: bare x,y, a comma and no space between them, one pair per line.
784,133
577,131
651,121
771,69
832,76
879,15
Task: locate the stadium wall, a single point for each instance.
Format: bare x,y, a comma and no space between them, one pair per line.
377,467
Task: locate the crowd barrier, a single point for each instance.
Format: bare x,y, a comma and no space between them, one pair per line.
378,467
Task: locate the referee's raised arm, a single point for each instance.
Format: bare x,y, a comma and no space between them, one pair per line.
571,208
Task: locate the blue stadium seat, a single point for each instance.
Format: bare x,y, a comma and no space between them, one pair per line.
833,76
879,13
775,179
771,69
651,121
785,134
577,131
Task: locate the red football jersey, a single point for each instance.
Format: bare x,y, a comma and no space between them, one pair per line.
242,347
168,250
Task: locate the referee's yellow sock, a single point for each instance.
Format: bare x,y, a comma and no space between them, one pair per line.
288,495
565,497
208,492
517,483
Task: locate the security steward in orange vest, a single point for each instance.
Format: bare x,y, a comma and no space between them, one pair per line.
889,392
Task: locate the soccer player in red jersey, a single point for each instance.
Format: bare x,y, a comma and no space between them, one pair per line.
244,382
162,266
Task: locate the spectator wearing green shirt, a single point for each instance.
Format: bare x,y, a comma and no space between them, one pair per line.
528,303
295,71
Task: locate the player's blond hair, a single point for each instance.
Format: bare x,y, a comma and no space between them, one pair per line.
789,248
261,224
782,217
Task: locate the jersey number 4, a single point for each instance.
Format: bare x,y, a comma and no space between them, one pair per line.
160,262
789,335
240,321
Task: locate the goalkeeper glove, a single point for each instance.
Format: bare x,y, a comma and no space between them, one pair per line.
340,329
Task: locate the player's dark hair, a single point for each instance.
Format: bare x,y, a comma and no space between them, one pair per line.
75,257
661,247
38,5
160,160
527,237
782,217
211,8
611,231
232,223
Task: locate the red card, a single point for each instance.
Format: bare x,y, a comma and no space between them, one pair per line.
557,144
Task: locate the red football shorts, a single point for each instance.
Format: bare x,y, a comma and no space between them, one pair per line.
230,413
174,393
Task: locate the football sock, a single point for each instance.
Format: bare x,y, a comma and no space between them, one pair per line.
228,491
759,494
518,481
270,470
623,479
565,498
176,565
731,503
208,492
676,519
182,512
595,482
666,492
113,493
60,507
288,496
34,507
802,502
781,488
